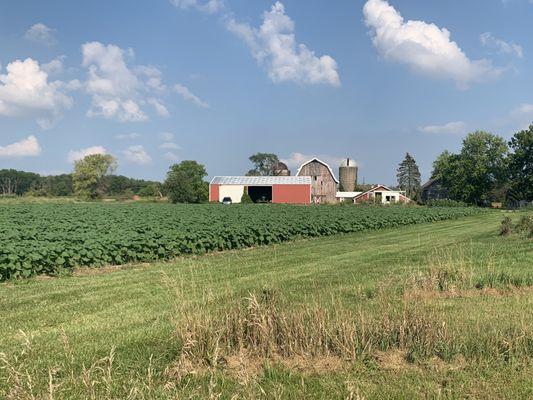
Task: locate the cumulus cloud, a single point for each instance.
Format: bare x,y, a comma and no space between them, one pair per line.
169,146
423,46
41,33
54,67
25,90
127,136
295,160
166,136
137,155
521,117
118,91
489,40
454,128
170,156
76,155
28,147
159,107
274,45
207,6
187,95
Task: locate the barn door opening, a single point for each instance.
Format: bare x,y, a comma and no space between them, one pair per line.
260,194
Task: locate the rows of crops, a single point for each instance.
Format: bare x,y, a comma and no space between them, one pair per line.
47,238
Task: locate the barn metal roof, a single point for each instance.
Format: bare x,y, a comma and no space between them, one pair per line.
261,180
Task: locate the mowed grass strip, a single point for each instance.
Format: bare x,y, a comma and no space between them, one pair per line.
133,309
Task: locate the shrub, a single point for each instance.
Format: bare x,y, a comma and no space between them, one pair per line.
445,203
246,199
506,226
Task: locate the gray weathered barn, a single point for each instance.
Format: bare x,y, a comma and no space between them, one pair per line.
323,181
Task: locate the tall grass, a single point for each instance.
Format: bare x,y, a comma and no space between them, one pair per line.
401,316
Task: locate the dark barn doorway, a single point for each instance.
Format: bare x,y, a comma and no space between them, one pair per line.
260,194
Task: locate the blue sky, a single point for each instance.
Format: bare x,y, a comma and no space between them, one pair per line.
159,81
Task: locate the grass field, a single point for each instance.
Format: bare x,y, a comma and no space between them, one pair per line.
426,311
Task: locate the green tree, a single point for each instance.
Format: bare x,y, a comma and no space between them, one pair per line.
521,165
408,176
185,183
89,174
263,163
13,182
478,174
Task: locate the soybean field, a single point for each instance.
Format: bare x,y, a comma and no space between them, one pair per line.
49,238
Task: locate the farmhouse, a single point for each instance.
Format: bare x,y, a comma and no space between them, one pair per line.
324,184
382,194
262,189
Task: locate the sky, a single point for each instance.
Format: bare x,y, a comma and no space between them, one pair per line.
161,81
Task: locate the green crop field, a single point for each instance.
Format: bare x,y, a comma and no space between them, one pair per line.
49,238
439,309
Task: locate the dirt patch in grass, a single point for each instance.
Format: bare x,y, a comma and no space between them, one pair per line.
424,294
394,360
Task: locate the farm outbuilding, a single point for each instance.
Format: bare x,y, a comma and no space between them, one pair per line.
381,194
262,189
324,184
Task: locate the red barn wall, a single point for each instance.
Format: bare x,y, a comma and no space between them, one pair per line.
291,194
214,193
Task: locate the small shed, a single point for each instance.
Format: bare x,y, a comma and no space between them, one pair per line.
324,184
261,189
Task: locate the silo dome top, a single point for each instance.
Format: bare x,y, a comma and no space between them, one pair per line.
348,162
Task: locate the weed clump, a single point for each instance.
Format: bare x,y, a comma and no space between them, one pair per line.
506,227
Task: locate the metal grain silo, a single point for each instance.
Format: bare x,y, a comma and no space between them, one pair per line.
348,175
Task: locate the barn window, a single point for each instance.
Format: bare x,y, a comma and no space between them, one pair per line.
387,198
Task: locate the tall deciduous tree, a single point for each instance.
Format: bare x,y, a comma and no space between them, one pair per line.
263,163
89,173
408,176
478,174
185,183
521,165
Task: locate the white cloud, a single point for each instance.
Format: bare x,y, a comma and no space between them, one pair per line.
41,33
454,128
76,155
153,76
127,136
424,47
488,40
137,155
187,95
28,147
118,91
170,156
295,160
166,136
159,107
207,6
25,90
274,45
524,109
169,146
54,67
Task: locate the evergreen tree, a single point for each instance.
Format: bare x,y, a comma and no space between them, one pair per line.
408,176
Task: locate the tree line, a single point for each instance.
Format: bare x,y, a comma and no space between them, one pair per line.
487,169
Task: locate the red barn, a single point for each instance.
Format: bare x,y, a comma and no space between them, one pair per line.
262,189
